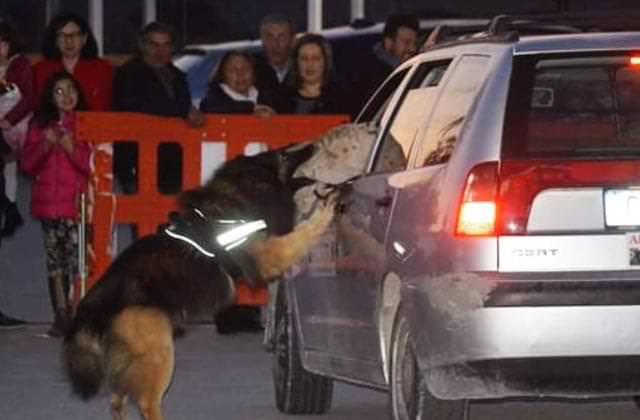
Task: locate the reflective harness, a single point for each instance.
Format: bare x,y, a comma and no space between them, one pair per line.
218,238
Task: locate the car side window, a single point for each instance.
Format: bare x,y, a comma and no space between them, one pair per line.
449,114
375,108
413,110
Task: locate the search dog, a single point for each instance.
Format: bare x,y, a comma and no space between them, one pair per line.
122,334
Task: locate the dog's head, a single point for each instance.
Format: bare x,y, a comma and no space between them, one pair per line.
287,159
248,186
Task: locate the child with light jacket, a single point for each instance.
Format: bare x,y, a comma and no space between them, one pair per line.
59,162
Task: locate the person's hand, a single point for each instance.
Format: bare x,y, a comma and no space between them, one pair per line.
67,142
50,136
264,111
4,124
195,118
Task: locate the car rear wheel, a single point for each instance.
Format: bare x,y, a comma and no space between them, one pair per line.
296,390
409,397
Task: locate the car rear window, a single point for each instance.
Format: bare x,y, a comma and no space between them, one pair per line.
573,106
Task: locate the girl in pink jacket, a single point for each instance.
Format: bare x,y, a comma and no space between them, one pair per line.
59,162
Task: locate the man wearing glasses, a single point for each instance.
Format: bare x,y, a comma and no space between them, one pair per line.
69,45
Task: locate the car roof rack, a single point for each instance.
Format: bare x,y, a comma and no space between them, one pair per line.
567,22
447,35
509,28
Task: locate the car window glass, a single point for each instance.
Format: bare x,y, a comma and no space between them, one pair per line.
374,110
578,106
570,106
414,108
627,95
451,110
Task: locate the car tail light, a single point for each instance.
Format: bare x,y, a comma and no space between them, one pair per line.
478,210
497,202
634,61
522,180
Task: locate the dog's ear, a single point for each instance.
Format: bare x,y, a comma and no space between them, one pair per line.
293,156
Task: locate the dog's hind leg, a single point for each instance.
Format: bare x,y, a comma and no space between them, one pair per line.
118,406
148,335
275,254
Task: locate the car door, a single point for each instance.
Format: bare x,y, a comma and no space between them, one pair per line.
312,293
351,291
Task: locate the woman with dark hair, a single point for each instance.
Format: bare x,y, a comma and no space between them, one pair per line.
59,162
16,102
232,88
313,86
69,45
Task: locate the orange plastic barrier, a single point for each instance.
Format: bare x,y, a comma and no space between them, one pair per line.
148,208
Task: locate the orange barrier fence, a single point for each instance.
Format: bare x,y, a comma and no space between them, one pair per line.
148,208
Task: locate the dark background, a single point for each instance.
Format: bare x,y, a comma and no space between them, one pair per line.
211,21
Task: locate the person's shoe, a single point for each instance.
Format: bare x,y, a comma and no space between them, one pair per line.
55,331
8,323
179,331
59,327
238,318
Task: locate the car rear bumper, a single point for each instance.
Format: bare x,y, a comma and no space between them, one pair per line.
472,350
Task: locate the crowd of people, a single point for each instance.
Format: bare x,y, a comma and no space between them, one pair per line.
291,75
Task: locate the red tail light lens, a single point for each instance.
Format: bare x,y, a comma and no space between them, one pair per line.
522,180
478,211
634,61
498,202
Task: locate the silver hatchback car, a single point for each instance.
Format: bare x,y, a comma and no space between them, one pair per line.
499,255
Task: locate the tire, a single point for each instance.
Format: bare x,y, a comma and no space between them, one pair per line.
409,397
296,390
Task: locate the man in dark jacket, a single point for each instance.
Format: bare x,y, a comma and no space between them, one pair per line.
272,66
151,84
6,322
399,43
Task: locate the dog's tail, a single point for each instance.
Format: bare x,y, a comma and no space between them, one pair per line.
84,362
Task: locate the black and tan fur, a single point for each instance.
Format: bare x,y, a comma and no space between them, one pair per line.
122,333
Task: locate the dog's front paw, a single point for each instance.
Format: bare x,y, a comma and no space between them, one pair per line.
323,215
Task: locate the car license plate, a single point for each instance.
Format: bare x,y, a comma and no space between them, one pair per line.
622,207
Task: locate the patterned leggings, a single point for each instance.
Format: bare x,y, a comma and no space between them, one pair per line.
61,245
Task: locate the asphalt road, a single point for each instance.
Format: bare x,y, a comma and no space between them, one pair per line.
222,378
